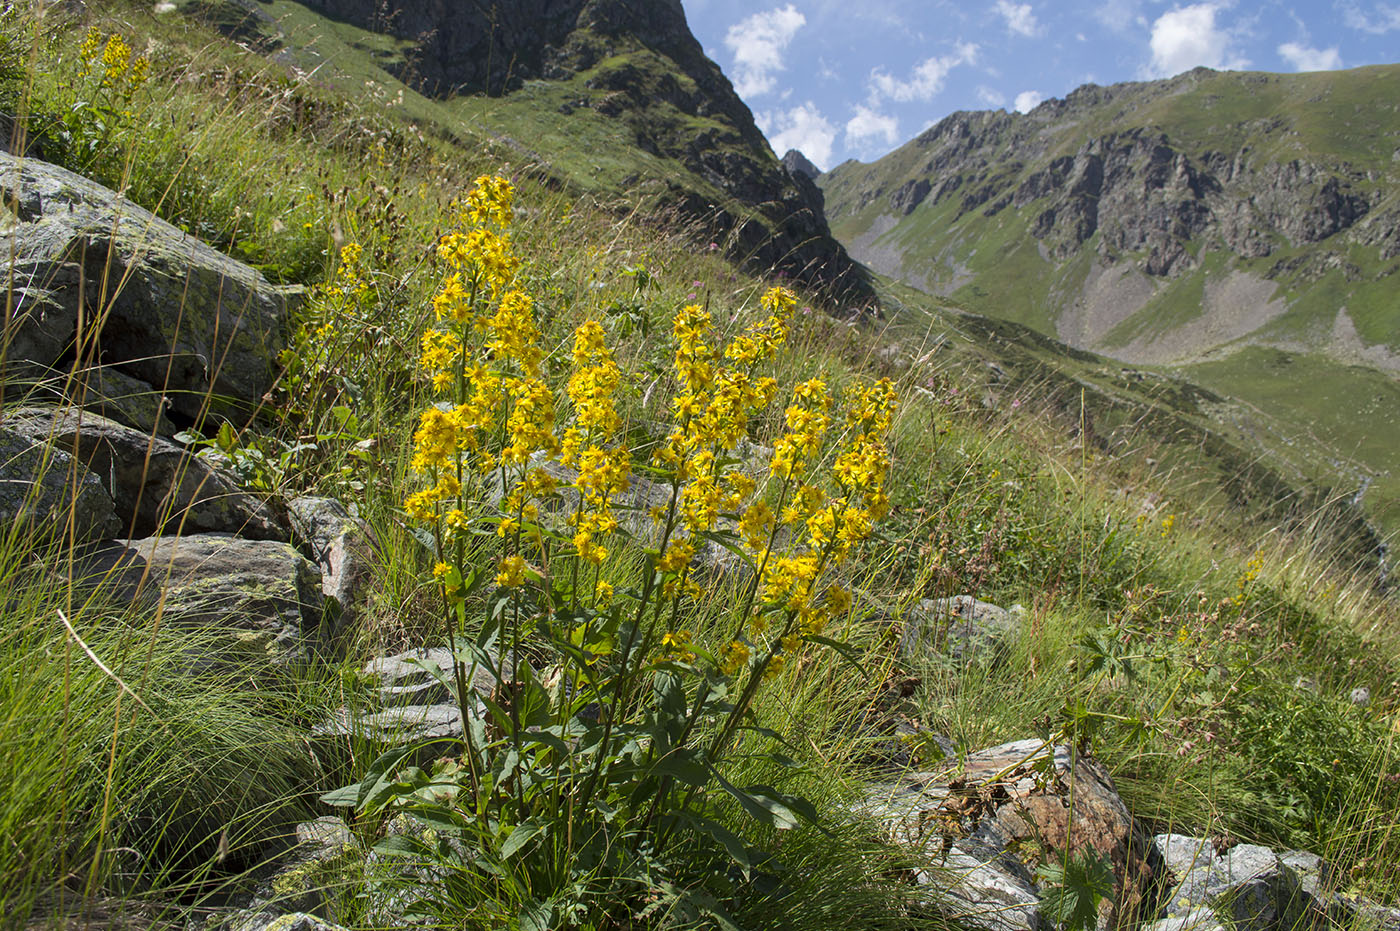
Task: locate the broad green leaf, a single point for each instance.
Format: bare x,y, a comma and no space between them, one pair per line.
521,835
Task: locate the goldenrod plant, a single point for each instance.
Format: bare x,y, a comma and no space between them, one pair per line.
565,793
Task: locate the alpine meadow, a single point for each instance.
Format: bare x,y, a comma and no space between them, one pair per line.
453,474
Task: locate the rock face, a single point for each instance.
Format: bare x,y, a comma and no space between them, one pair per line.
158,486
1013,797
636,62
98,280
42,486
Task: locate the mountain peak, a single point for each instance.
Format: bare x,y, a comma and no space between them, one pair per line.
798,164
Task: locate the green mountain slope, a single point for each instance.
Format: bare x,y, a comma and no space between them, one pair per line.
1192,223
613,98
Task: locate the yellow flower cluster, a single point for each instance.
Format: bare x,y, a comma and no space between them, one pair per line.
119,70
825,528
603,471
496,383
675,647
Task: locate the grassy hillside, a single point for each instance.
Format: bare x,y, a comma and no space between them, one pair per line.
1171,606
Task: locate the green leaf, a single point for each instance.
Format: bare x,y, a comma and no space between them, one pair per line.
734,845
521,835
843,650
402,845
684,765
761,807
227,438
344,797
379,777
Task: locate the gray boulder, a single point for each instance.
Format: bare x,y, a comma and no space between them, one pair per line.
343,547
1249,887
966,629
970,822
42,486
264,595
157,486
96,278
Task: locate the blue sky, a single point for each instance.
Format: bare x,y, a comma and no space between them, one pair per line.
843,79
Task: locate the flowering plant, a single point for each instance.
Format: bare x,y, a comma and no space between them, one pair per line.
617,752
100,99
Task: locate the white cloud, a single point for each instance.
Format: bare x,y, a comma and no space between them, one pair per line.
990,98
926,79
1119,15
1187,37
803,128
1382,18
1020,18
1026,101
758,43
869,123
1303,58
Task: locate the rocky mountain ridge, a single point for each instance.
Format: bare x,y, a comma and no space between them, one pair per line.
636,64
1118,196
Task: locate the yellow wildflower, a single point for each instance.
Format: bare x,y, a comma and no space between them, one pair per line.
512,574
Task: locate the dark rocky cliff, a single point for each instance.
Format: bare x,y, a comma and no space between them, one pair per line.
637,62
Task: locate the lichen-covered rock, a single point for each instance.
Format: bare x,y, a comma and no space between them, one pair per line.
262,593
1022,796
257,920
306,879
963,628
157,486
174,313
343,547
1249,886
42,486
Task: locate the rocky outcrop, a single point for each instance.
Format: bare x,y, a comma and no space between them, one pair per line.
158,487
636,62
1147,182
975,825
261,599
97,281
